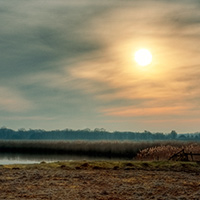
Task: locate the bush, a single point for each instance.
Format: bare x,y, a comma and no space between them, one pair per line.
164,152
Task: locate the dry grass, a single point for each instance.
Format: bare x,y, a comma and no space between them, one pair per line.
101,180
110,165
164,152
156,150
100,149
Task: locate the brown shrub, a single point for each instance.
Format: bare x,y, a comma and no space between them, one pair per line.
164,152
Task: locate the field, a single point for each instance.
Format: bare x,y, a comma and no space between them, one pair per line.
101,180
139,171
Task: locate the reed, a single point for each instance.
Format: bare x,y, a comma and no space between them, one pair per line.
164,152
97,149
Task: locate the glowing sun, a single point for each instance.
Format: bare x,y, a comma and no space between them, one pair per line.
143,57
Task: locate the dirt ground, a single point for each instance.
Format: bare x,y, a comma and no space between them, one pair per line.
111,184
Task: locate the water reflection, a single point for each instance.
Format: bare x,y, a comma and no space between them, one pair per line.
11,158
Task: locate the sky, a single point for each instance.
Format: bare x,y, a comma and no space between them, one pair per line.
70,64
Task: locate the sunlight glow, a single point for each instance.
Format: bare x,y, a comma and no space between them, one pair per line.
143,57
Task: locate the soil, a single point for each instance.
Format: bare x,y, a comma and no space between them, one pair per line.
85,183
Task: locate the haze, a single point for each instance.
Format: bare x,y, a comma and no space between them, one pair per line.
69,64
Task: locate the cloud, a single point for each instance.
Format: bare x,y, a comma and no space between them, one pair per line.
145,111
12,101
31,118
74,59
37,36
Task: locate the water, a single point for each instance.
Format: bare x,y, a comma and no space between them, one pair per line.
6,159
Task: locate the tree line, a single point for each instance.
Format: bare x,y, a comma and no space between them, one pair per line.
88,134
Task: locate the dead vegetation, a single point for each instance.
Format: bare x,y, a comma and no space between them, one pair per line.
164,152
97,149
101,180
155,150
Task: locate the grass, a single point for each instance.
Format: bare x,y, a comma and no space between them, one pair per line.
112,165
164,152
100,149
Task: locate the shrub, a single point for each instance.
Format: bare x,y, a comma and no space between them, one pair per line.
164,152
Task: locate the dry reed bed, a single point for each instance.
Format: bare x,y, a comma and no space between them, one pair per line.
99,149
164,152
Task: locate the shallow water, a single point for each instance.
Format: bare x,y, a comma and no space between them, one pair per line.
16,161
6,158
29,159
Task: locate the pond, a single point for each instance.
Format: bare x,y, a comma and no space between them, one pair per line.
8,158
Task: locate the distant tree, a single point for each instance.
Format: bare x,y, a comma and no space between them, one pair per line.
173,135
182,137
6,133
87,130
147,135
158,136
99,130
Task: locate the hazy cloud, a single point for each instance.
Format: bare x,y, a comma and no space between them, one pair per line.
73,61
12,101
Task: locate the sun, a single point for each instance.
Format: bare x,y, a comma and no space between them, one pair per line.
143,57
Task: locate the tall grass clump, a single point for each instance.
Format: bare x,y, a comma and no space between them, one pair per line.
98,149
164,152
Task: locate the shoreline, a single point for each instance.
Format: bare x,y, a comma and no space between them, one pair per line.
100,180
112,165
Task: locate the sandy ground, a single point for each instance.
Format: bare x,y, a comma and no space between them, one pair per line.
110,184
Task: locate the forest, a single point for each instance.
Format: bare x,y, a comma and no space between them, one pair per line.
96,134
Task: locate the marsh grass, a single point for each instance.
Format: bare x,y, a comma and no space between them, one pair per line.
164,152
99,149
111,165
